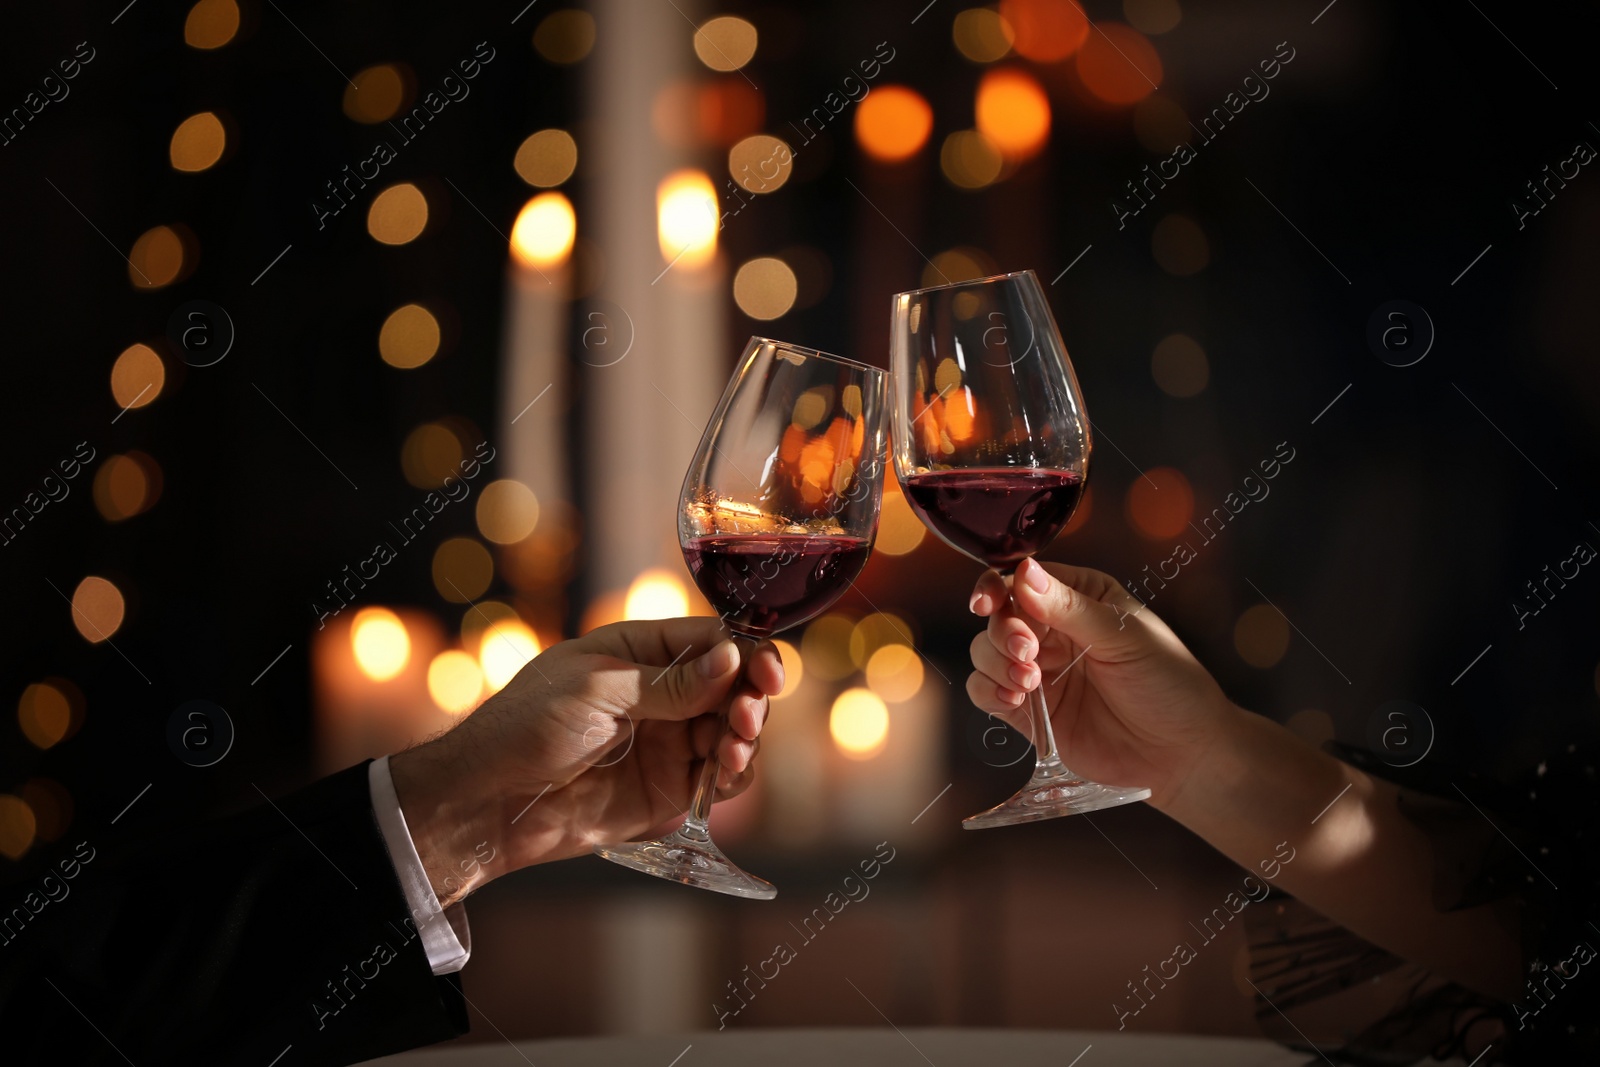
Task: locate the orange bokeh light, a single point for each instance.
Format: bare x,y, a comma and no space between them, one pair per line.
1047,30
1013,112
893,123
1118,64
1080,515
1160,503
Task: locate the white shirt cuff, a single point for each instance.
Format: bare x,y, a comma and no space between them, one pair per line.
445,933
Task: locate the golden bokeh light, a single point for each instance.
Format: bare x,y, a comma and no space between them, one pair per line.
970,160
158,258
794,668
380,642
826,647
859,723
565,37
893,123
480,616
455,682
504,648
982,34
211,24
197,143
125,486
462,569
1179,366
546,158
51,804
544,231
137,376
1152,16
1180,246
1160,503
725,43
45,712
765,288
899,529
1045,31
687,219
97,609
17,827
1160,124
409,337
956,265
874,632
398,215
431,454
1261,636
656,594
1081,513
377,95
1118,64
507,511
1013,112
761,163
895,673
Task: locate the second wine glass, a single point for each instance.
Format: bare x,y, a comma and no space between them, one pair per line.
991,445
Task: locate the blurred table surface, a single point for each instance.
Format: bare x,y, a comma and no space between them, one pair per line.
887,1047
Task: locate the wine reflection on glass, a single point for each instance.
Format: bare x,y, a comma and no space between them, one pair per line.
777,516
991,445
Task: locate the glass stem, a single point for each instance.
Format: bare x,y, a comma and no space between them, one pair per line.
1044,736
697,826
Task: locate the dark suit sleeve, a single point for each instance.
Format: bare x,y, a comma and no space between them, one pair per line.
283,926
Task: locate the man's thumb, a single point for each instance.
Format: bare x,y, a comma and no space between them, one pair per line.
692,687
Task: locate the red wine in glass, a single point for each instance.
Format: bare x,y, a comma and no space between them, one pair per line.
762,584
1001,515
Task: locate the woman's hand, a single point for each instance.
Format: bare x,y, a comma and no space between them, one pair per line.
599,739
1129,704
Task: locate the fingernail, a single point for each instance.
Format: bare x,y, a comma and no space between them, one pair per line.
1019,647
1021,675
972,605
718,661
1012,697
1035,576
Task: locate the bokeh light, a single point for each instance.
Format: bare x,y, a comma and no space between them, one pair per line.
826,646
158,258
1081,513
1152,16
51,804
1013,112
970,160
859,723
725,43
1179,246
1179,366
687,219
546,158
197,143
564,37
1261,636
17,827
507,511
656,594
1160,503
377,95
49,712
137,376
97,609
125,486
544,231
462,569
432,453
211,24
893,123
761,163
982,34
398,215
409,337
899,529
895,672
765,288
875,631
504,648
455,682
1045,31
380,642
1118,64
794,668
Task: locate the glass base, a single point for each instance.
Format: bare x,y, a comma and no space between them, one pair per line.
1051,793
690,859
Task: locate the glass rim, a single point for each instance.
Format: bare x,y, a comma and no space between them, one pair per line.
757,339
970,281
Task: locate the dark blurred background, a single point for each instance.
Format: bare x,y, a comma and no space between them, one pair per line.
176,506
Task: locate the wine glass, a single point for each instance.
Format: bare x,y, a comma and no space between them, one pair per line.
776,519
991,446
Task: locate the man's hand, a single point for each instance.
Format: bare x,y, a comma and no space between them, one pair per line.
598,739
